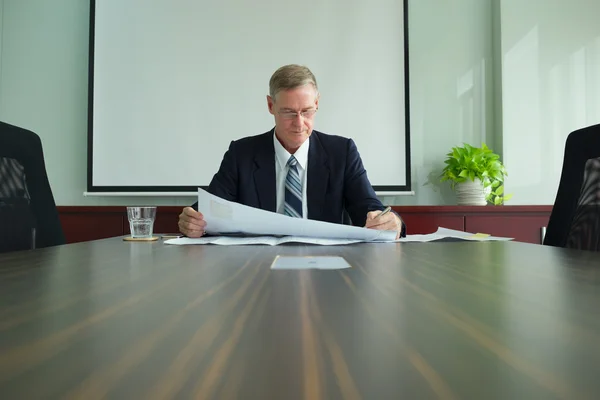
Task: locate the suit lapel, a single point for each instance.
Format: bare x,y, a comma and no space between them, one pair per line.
264,174
318,178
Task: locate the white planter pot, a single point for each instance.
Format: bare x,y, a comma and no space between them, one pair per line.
471,193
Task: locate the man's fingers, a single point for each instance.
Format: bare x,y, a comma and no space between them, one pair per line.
387,222
372,214
200,226
193,218
192,234
191,223
194,223
384,226
190,212
190,231
373,220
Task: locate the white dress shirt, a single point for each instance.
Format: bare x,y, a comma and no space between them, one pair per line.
281,169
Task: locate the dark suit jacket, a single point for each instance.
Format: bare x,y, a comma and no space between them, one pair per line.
337,180
581,145
26,147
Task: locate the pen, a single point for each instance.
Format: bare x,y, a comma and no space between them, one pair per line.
171,236
381,214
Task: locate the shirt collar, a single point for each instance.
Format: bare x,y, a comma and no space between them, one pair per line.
282,155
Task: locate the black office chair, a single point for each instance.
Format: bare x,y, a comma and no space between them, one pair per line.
28,215
575,218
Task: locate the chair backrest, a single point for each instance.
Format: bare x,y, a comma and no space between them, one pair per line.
17,226
28,207
584,232
575,218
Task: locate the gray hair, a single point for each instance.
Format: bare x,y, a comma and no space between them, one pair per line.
290,77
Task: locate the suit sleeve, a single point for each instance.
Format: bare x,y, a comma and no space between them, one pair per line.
359,196
225,182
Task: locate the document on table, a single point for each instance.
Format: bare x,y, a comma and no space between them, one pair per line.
226,217
267,240
237,240
231,224
444,233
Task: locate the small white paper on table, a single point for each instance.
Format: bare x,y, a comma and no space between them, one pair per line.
317,262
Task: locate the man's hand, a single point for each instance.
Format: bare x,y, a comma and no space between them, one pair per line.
191,223
388,222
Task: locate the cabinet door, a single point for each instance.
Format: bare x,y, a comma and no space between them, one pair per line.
81,227
522,228
423,223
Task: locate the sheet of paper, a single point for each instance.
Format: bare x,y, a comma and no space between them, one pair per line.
481,237
319,262
224,216
444,233
263,240
421,238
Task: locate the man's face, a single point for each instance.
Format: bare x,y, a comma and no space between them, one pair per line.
294,112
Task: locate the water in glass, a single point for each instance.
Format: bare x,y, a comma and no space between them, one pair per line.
141,228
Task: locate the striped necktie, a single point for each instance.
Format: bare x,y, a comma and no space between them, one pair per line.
293,190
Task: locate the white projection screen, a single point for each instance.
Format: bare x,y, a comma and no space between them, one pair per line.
173,82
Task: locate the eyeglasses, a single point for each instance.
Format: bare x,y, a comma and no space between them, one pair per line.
293,114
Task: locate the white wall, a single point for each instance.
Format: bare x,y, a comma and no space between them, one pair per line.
44,78
1,21
550,52
43,87
450,88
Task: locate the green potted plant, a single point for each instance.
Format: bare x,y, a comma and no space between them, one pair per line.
476,174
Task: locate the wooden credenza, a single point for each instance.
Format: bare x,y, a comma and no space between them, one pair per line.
523,223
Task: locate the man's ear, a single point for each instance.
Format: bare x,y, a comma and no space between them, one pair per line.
270,104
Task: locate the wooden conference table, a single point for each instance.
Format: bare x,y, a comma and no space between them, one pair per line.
129,320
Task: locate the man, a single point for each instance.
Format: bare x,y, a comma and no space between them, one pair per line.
293,169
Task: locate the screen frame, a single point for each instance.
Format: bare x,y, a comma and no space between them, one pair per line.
91,188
